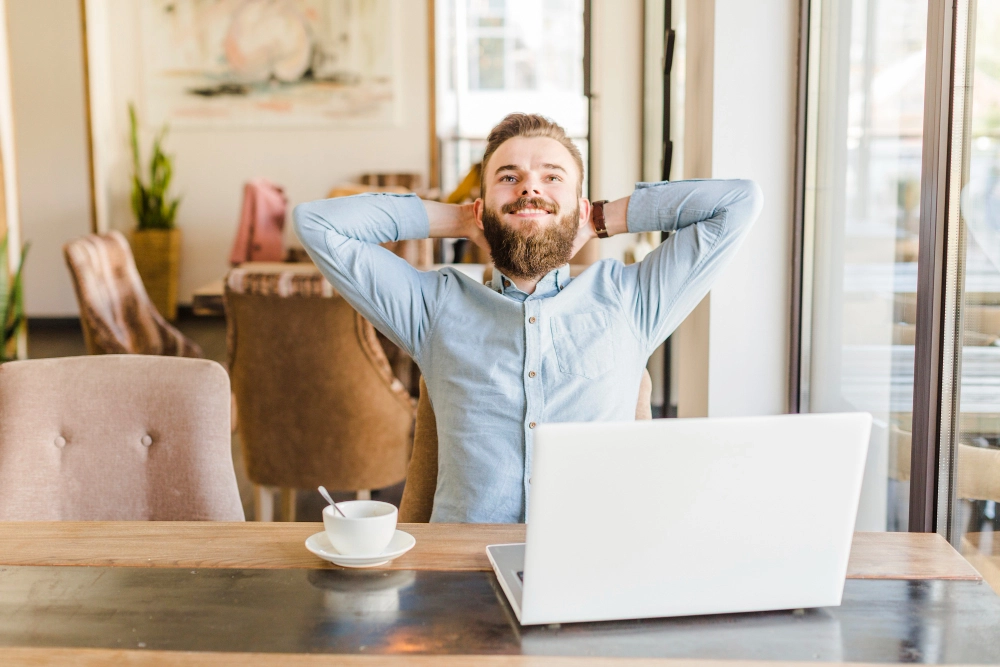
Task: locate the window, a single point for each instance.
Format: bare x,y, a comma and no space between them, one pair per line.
500,56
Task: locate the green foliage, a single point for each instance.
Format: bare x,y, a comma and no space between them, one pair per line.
150,204
11,301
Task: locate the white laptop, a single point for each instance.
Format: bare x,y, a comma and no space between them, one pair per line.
674,517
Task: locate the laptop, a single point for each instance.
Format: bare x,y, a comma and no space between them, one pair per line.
676,517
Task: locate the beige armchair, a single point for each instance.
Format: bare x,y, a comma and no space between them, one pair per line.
116,314
421,476
121,437
977,470
317,399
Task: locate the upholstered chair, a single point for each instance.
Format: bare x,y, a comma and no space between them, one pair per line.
317,399
977,472
421,476
118,437
116,314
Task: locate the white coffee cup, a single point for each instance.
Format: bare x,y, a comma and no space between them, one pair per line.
366,530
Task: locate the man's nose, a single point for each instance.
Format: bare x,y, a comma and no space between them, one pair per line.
532,186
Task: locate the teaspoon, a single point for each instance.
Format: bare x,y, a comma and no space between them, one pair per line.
326,494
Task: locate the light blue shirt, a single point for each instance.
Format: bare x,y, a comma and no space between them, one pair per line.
497,361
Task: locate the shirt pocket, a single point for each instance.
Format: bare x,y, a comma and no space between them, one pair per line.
583,344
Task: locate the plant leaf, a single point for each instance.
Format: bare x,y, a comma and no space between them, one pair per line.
150,204
134,137
13,318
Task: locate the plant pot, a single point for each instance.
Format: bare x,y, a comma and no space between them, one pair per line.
158,256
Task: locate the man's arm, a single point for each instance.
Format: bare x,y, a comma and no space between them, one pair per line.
709,218
342,235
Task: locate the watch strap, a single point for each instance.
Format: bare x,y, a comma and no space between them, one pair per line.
597,215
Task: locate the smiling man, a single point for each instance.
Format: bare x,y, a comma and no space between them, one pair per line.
535,345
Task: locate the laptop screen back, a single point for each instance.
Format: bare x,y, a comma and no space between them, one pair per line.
691,516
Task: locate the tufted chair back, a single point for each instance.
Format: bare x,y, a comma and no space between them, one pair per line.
119,437
116,314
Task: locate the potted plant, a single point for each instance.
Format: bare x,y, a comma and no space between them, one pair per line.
12,318
156,241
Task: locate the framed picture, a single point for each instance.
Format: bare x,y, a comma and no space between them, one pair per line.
277,63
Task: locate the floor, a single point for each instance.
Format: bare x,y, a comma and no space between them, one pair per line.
63,338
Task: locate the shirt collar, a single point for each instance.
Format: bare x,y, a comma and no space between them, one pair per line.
551,284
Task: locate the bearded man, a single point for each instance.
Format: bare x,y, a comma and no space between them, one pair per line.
535,345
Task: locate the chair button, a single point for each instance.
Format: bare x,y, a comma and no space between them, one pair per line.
146,441
531,320
60,442
531,425
531,374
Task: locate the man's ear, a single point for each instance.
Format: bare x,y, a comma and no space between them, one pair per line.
477,210
584,210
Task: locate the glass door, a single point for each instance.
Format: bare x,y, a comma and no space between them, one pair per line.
861,214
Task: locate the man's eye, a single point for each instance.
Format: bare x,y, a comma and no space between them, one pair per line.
508,178
554,178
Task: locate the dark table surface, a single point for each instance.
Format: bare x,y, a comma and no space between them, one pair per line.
430,612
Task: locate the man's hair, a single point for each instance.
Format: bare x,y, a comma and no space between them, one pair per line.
528,125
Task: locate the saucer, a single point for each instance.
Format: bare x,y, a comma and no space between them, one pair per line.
400,543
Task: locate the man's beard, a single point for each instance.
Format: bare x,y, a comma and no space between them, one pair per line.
521,255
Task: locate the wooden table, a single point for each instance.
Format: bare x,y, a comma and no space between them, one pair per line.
442,547
441,595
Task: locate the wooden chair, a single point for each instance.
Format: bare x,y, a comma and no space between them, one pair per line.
317,399
116,314
116,438
421,476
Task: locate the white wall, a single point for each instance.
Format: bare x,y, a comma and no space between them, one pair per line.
50,133
211,165
752,135
753,130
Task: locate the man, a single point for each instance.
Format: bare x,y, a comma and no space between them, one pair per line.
534,346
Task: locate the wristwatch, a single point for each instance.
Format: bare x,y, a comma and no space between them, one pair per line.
597,215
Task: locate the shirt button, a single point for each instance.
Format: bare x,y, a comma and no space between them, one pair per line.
506,283
531,320
531,425
531,374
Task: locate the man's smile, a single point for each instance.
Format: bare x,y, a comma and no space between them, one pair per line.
531,212
530,208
